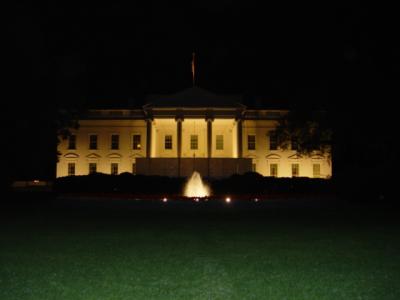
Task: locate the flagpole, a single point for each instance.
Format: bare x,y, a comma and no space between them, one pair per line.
193,68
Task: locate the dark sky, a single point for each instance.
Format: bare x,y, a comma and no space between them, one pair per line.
343,55
88,51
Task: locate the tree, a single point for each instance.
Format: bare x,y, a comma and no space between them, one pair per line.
311,132
65,120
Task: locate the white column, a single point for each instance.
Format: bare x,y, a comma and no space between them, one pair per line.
148,137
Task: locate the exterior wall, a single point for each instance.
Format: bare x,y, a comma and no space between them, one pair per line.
214,167
262,157
125,156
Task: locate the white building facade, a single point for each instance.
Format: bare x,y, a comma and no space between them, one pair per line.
176,134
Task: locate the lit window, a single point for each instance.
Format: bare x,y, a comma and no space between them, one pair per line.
273,170
114,169
273,140
168,142
254,167
133,168
316,170
71,169
219,144
194,142
72,142
251,142
93,141
295,170
115,142
136,142
92,168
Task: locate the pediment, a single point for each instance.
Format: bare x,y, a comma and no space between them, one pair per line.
93,156
71,155
317,156
251,156
295,156
273,156
114,155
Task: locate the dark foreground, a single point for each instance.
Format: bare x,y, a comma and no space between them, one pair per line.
127,249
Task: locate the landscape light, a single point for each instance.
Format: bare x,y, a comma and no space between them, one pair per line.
164,199
228,200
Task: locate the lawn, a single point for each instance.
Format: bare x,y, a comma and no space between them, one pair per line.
127,250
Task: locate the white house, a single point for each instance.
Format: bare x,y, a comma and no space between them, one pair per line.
176,134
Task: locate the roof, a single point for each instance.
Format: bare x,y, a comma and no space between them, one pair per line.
194,97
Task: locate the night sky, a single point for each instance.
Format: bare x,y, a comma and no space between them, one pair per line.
344,57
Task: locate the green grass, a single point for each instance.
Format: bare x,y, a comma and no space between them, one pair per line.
271,253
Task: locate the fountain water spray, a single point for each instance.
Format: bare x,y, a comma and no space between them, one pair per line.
195,187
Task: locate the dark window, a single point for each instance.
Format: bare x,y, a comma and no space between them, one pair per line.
295,170
273,170
136,142
93,141
71,169
115,142
114,169
92,168
273,140
194,142
251,142
219,144
72,142
168,142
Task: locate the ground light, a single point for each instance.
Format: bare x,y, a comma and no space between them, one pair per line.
165,199
228,199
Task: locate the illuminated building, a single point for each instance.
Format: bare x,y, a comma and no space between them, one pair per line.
174,135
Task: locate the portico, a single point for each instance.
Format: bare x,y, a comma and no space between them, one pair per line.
193,137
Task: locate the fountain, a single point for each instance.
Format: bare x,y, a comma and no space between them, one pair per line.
195,188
